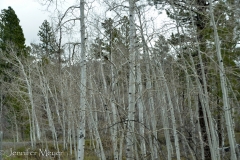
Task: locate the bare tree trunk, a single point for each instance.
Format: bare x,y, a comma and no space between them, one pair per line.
95,127
16,127
113,106
140,108
132,90
83,90
226,107
1,135
34,123
173,118
1,132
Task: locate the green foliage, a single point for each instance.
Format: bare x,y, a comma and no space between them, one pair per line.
161,47
11,37
10,30
97,47
228,31
48,40
12,42
17,107
116,34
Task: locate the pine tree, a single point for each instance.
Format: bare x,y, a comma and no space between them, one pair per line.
161,47
10,30
12,43
48,40
114,39
11,33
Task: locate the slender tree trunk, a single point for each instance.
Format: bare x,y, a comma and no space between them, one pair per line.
173,118
200,23
45,88
1,138
205,117
140,109
113,106
83,90
95,127
1,132
34,123
226,107
132,90
165,121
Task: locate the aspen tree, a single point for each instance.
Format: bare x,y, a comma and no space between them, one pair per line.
95,129
226,107
44,86
140,100
83,89
164,117
35,133
132,90
170,103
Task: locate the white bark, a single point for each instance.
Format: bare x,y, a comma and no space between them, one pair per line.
226,107
173,118
44,86
83,90
132,90
114,109
114,114
35,124
204,98
95,128
152,117
64,118
16,127
203,94
142,109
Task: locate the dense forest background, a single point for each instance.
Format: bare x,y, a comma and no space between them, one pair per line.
116,87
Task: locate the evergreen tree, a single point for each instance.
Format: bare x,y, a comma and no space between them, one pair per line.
161,47
48,40
10,33
10,30
114,39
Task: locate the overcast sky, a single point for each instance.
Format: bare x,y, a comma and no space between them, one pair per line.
31,15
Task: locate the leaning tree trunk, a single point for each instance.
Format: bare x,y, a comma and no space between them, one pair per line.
226,107
170,103
93,122
34,124
205,116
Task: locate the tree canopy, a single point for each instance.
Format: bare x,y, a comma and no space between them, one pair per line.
47,38
10,30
